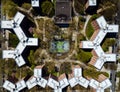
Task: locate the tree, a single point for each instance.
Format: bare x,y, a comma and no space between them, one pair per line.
47,8
79,6
26,6
50,67
13,40
65,68
92,73
9,8
83,56
32,59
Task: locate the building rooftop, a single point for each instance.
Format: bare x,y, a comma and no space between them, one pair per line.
77,78
101,30
36,79
13,23
15,55
101,84
35,3
58,83
14,87
6,24
101,22
92,2
63,11
24,40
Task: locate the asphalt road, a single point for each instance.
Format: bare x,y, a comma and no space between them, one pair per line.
113,72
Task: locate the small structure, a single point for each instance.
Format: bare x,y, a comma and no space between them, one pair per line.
58,83
59,46
24,40
63,11
15,54
101,29
77,78
17,87
36,79
100,84
35,3
91,6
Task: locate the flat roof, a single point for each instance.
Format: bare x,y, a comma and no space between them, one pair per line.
95,43
20,48
15,55
99,51
14,87
7,53
6,24
42,82
100,86
102,22
58,85
32,42
77,78
24,40
110,57
18,18
113,28
73,82
13,23
20,34
53,83
37,79
35,3
31,82
83,82
21,85
77,72
19,60
87,44
99,38
8,85
37,72
92,2
63,83
99,63
63,11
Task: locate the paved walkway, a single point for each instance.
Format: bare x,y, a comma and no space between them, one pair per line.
86,22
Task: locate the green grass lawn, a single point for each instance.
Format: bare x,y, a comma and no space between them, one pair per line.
59,46
89,30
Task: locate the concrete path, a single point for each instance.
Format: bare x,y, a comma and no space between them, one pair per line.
86,22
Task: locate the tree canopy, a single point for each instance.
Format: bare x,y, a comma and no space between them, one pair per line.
47,8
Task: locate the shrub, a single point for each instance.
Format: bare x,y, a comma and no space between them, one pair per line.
13,40
83,56
26,6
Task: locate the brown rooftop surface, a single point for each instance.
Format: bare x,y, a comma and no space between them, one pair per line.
94,35
101,78
39,67
95,25
70,76
62,76
53,77
94,53
93,60
81,45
